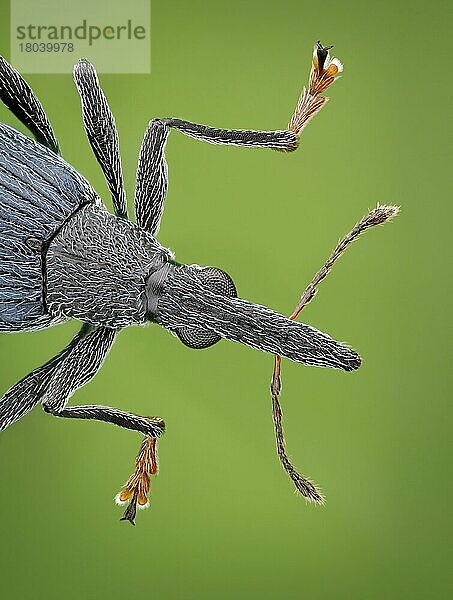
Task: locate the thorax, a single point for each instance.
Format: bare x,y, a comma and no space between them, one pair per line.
96,269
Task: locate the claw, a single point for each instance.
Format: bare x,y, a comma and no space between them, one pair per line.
130,512
322,52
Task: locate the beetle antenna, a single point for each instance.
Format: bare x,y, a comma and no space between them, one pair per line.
376,216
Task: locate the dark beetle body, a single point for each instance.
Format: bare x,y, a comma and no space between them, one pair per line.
39,192
67,257
63,256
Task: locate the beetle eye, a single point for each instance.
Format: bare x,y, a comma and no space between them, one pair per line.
197,338
220,283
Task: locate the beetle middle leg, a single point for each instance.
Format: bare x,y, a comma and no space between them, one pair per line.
100,128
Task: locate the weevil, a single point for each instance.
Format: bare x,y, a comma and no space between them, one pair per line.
64,256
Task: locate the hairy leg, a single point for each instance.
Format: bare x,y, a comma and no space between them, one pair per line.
23,103
27,392
101,131
152,180
78,367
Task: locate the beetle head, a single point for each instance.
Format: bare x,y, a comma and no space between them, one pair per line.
200,306
211,278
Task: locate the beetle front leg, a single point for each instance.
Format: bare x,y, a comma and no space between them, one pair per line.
79,367
152,174
324,71
136,489
28,392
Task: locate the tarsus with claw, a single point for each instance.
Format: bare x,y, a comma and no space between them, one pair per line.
136,489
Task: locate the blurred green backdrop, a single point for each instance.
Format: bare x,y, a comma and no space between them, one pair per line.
224,521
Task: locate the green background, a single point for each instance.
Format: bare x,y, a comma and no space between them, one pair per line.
224,520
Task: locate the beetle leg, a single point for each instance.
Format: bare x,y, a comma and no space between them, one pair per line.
136,488
77,368
152,177
151,186
22,102
27,393
101,131
152,171
283,139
